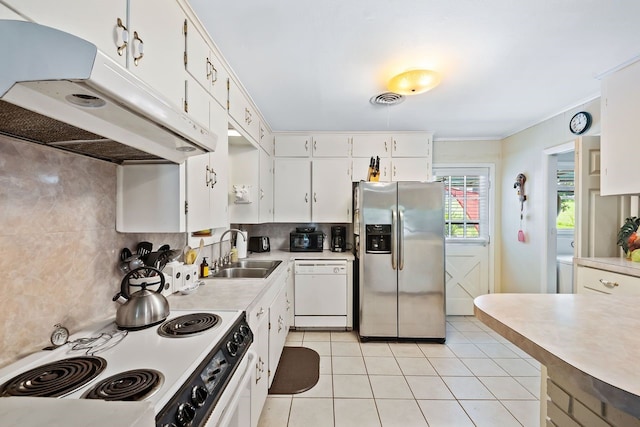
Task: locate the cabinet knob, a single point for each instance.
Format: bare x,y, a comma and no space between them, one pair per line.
306,145
306,197
315,200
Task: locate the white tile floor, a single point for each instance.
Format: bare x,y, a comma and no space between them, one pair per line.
476,379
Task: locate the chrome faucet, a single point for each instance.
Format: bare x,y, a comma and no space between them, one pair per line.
225,260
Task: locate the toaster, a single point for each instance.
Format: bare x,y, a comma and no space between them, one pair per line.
259,244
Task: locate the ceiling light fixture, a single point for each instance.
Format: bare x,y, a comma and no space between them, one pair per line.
413,82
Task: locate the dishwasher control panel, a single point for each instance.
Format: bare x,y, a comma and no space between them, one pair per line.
320,267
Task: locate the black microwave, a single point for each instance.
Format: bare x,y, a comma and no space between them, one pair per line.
306,241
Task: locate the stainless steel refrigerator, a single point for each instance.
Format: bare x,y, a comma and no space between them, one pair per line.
400,235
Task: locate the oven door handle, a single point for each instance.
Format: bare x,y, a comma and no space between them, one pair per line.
245,380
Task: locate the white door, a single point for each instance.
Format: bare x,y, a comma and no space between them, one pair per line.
410,169
330,145
95,21
156,46
331,195
467,276
367,145
292,145
266,187
198,214
597,217
292,190
411,145
219,167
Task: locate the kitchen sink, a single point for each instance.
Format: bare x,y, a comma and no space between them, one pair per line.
247,269
249,263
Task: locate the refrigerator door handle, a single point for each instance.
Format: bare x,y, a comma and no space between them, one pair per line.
401,239
394,236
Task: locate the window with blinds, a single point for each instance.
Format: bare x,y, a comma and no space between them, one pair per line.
566,199
466,203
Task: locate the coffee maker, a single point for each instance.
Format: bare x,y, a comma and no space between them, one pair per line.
338,238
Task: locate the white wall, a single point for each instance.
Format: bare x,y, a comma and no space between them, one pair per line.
523,153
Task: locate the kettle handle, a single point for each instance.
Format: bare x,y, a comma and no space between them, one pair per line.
142,272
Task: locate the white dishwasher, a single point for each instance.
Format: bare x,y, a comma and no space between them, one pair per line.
320,294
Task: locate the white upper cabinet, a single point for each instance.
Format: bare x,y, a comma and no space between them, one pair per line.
204,65
292,188
196,101
331,145
265,139
156,46
207,181
620,104
367,145
266,187
102,22
410,169
292,145
411,145
360,168
331,188
242,111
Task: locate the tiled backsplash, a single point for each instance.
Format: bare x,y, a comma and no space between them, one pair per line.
60,246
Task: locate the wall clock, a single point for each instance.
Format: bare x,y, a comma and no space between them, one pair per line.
580,123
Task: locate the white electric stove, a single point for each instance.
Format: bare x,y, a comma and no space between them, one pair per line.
184,377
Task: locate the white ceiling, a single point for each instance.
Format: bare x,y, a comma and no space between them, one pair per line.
506,64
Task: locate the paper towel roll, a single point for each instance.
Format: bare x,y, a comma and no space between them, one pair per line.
241,244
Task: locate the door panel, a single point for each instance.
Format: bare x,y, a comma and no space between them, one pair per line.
378,278
467,276
421,260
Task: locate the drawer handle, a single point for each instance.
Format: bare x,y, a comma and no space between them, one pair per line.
260,313
608,283
125,37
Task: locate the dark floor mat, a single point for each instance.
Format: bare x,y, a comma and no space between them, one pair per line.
298,371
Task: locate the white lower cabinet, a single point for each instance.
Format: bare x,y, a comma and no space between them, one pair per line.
593,280
268,320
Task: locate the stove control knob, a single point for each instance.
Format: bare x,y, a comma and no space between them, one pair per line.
185,414
238,338
232,348
199,395
244,330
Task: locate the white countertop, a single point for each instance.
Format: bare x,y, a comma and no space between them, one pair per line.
593,339
617,265
240,294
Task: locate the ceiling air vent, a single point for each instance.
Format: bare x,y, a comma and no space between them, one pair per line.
387,98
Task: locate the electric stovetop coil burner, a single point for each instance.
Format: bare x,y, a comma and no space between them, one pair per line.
188,324
133,385
55,379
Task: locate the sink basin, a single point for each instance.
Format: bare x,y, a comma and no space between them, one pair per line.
242,273
249,263
247,269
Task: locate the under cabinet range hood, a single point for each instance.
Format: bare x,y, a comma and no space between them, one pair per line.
59,90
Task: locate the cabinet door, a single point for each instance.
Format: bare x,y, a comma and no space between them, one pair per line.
290,295
292,145
411,145
260,383
219,168
265,139
360,168
266,187
196,101
198,192
156,46
241,110
331,145
367,145
416,169
620,105
95,21
291,188
277,330
331,183
606,282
